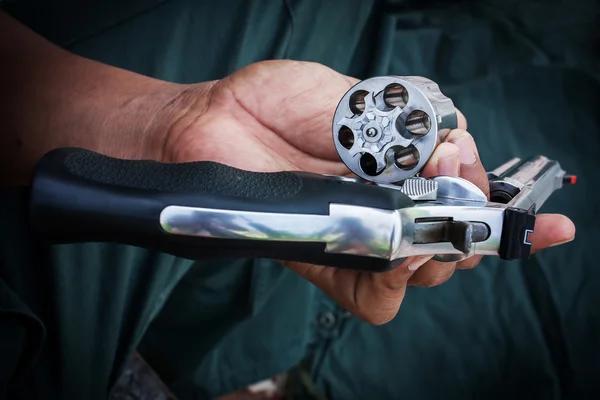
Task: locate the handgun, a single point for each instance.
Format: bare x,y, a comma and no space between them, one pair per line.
384,129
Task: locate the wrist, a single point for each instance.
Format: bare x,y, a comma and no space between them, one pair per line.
177,114
137,125
51,98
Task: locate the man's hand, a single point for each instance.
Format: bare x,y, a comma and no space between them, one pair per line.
277,115
270,116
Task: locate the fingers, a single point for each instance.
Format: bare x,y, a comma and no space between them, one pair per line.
372,297
551,230
397,278
471,167
458,156
432,273
445,160
378,297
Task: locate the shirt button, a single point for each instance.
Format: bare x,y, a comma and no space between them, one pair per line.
327,320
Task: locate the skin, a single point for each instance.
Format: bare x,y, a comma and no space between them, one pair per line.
268,116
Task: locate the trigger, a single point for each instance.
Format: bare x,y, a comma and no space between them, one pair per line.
461,234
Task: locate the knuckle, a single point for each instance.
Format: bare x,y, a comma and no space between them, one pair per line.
446,149
456,134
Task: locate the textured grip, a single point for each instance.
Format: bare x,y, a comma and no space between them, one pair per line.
82,196
197,177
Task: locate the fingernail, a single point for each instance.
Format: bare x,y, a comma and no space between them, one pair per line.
466,144
449,166
563,242
417,262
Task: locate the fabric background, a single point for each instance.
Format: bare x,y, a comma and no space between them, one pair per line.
526,77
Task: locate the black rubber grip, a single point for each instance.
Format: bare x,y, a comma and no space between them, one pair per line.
81,196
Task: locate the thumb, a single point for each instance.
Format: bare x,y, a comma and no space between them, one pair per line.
445,160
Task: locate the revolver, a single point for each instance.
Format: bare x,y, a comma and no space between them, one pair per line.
384,129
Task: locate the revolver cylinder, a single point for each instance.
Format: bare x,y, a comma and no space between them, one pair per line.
386,128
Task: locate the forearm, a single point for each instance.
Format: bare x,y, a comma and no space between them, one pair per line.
50,98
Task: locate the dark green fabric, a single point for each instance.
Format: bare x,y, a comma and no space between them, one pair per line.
21,335
523,75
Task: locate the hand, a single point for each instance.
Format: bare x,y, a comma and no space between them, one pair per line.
275,116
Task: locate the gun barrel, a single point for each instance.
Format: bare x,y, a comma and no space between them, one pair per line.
527,183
